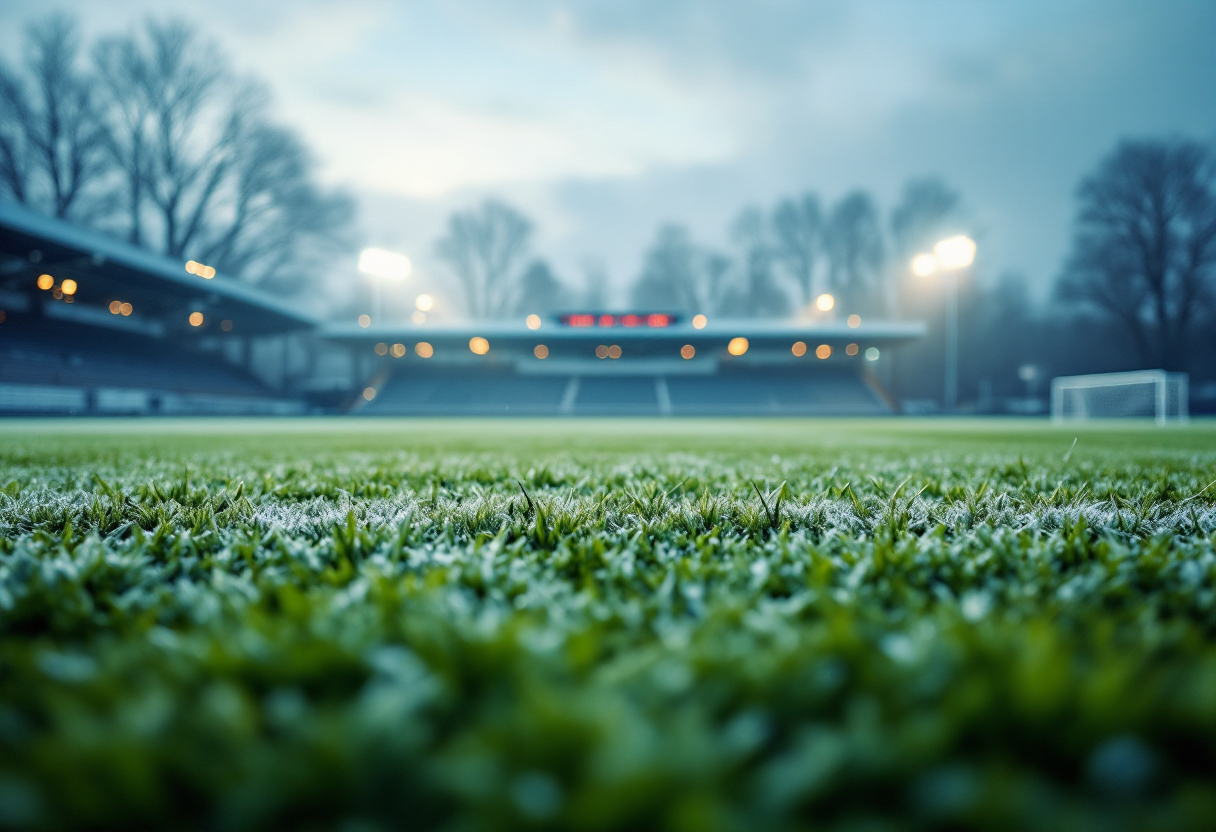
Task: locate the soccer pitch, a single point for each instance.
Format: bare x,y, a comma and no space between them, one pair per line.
628,624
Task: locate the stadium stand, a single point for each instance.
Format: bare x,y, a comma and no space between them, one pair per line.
91,325
68,347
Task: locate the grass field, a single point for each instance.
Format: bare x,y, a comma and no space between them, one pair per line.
685,625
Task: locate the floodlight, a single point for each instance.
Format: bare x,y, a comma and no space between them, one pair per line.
387,265
955,252
923,265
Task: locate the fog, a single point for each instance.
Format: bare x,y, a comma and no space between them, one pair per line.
602,121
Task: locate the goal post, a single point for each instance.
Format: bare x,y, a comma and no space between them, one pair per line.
1152,394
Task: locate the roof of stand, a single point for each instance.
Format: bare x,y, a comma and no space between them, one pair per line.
162,293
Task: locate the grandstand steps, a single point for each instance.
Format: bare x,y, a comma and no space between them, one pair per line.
752,393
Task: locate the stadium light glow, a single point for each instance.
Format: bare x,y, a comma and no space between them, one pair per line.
614,352
381,348
68,286
601,351
823,351
126,309
533,321
369,393
798,349
699,321
737,346
851,349
825,302
541,351
854,321
479,345
45,281
386,265
687,351
397,351
423,350
924,265
872,354
115,307
196,319
424,302
955,252
365,321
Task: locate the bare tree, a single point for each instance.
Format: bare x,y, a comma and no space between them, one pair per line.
797,237
485,248
926,210
1144,246
540,290
680,275
669,274
51,143
855,251
760,295
203,174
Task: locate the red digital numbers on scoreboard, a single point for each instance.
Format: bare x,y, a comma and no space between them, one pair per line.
649,319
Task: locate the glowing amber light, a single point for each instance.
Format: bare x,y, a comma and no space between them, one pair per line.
823,351
226,325
126,309
365,321
854,321
479,345
423,350
382,348
533,321
851,349
614,352
68,286
398,351
115,307
601,351
423,303
369,393
825,302
798,349
45,281
541,351
192,267
699,321
737,346
687,351
196,319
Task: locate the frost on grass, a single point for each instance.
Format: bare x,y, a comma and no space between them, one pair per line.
626,641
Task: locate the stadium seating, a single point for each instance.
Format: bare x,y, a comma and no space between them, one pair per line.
765,392
53,367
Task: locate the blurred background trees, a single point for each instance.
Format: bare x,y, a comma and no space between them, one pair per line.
1144,247
485,249
150,136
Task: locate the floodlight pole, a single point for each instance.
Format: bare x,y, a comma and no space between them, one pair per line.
950,404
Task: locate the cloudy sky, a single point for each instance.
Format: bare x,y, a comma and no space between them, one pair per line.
603,119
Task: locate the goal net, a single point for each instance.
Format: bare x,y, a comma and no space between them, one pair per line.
1150,394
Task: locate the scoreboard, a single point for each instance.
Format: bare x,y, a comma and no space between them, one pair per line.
654,320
